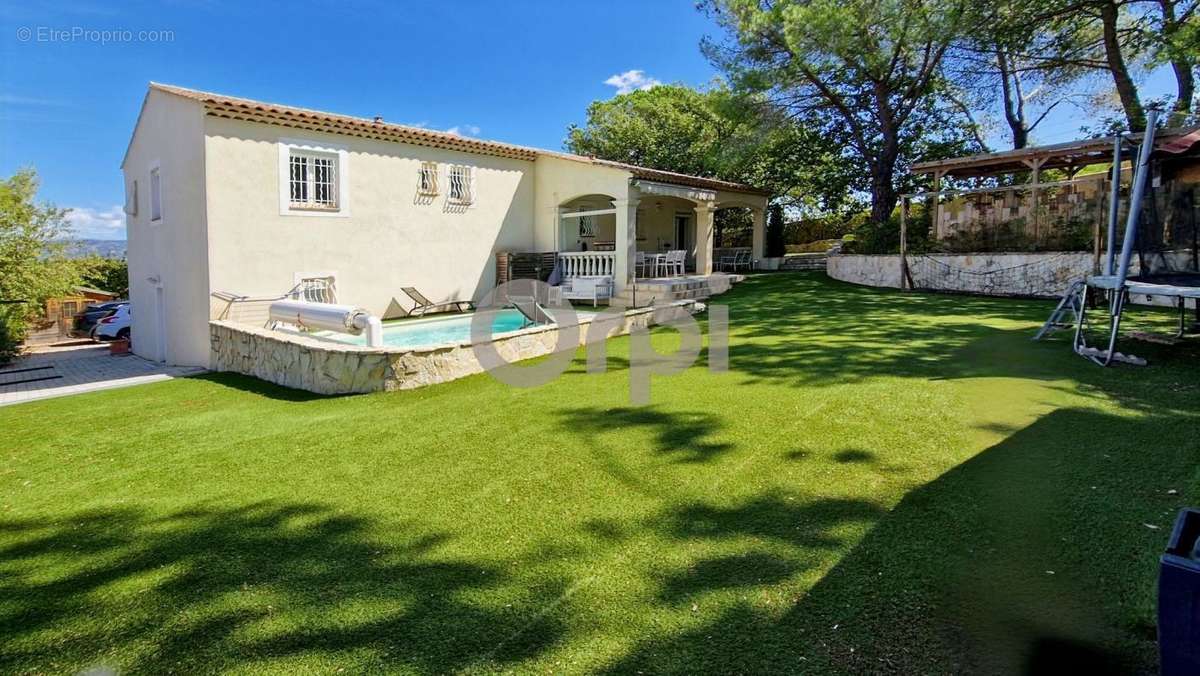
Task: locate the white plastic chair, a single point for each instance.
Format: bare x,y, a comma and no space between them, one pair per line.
675,262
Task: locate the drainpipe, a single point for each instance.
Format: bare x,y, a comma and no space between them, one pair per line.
373,326
1135,200
1114,203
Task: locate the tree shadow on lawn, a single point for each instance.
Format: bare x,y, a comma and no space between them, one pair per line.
682,436
1032,557
262,388
808,330
213,588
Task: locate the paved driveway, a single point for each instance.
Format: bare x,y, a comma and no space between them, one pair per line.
59,371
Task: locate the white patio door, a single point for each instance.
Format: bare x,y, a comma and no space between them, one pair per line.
685,237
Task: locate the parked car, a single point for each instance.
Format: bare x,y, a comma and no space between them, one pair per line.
115,326
85,322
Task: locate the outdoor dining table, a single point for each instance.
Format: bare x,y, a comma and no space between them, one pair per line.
656,260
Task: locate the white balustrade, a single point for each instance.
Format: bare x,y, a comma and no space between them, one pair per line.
587,263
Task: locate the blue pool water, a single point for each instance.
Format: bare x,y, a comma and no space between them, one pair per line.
433,331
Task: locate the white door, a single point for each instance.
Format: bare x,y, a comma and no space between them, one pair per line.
160,320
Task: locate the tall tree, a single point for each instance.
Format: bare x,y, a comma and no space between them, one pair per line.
987,70
720,134
865,71
1113,37
1176,40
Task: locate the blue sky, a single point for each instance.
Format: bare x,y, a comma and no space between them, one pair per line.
512,71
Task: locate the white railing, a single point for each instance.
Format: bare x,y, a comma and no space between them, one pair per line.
587,263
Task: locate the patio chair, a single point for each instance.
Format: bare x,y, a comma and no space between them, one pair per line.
594,288
424,305
640,263
739,259
675,262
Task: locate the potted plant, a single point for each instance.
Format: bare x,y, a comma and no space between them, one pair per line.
119,346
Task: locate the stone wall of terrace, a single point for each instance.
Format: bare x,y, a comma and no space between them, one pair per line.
1043,275
328,367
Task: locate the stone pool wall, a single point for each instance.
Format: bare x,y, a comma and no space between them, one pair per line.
328,367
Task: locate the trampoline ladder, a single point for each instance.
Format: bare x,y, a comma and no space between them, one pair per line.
1066,313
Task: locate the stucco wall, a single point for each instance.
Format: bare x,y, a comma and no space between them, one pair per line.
1046,274
328,367
391,239
558,181
173,250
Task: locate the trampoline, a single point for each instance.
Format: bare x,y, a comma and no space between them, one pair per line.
1168,259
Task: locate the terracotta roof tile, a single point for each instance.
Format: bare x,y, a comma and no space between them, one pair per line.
235,108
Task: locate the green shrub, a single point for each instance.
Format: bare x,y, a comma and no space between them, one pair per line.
107,274
820,246
11,335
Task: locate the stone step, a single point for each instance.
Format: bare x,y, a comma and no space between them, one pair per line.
804,262
671,290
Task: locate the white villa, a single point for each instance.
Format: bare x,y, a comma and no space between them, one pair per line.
226,194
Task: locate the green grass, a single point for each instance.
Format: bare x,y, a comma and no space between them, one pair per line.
882,482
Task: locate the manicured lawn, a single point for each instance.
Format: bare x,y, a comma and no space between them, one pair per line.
882,482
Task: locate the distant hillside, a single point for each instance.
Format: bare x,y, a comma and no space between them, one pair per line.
108,248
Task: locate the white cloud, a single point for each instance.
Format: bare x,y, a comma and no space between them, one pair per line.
464,130
631,80
16,100
88,223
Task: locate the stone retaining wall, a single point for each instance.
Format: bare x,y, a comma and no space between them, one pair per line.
1047,274
328,367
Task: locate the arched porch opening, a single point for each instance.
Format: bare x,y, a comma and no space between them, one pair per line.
587,223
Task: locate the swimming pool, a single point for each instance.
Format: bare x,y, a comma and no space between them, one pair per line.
433,331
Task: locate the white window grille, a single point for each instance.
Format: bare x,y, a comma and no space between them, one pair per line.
427,179
131,198
313,180
155,195
461,185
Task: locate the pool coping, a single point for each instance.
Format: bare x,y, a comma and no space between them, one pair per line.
448,344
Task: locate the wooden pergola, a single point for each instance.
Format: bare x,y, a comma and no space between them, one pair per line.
1070,157
1181,143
